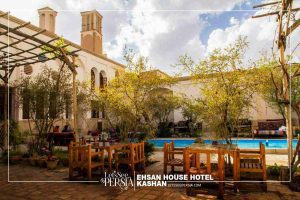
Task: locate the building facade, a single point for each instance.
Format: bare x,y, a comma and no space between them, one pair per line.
95,66
92,64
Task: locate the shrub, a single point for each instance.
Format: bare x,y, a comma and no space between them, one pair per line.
62,156
149,150
273,170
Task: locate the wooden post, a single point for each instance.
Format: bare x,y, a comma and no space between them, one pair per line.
165,157
286,10
235,170
89,164
109,152
70,160
75,105
132,152
285,82
6,109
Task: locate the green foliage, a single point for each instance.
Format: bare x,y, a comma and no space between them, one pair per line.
164,130
271,85
12,153
273,170
190,109
62,156
149,150
133,101
14,134
60,43
227,88
45,97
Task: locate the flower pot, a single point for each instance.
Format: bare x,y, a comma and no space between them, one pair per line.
52,164
33,161
41,162
15,159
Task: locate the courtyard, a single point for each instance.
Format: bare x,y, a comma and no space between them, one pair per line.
57,188
91,99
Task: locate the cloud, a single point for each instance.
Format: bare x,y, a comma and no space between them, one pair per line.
234,21
164,35
162,30
259,32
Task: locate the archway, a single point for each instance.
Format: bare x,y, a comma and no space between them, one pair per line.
103,79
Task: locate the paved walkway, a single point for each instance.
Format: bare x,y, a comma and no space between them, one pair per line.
38,190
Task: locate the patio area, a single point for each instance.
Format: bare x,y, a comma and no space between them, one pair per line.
24,172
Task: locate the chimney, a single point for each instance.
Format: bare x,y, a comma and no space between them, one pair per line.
91,32
47,19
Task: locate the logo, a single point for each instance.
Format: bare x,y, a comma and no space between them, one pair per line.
117,179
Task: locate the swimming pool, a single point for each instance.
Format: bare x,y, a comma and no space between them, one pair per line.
241,143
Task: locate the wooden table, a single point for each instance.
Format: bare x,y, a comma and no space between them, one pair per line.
231,150
214,147
60,138
110,150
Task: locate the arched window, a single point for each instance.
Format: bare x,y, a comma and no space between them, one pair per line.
93,80
116,73
103,79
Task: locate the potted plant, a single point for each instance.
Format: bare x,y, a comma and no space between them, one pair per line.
15,159
52,162
33,160
41,161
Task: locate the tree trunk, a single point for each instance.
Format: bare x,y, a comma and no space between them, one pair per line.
296,108
5,129
75,105
287,103
289,132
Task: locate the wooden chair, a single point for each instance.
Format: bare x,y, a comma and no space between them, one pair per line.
253,161
193,165
81,158
131,155
169,157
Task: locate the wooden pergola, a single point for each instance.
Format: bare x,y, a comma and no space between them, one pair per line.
25,47
285,13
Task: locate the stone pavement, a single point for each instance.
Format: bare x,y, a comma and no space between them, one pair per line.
72,190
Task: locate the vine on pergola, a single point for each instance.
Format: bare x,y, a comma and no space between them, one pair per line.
28,49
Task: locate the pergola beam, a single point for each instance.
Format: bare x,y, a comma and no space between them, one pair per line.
35,39
4,14
31,56
19,49
21,40
16,28
33,48
266,4
274,13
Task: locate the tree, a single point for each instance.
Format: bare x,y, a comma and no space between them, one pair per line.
295,96
161,103
226,87
288,21
44,99
127,98
272,84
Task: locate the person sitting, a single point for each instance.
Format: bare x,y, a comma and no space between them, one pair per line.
67,128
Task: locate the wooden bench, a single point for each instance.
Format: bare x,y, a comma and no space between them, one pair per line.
193,165
169,157
253,162
81,158
131,155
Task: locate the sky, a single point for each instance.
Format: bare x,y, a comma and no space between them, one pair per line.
161,30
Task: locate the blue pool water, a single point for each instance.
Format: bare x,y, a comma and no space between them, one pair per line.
241,143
